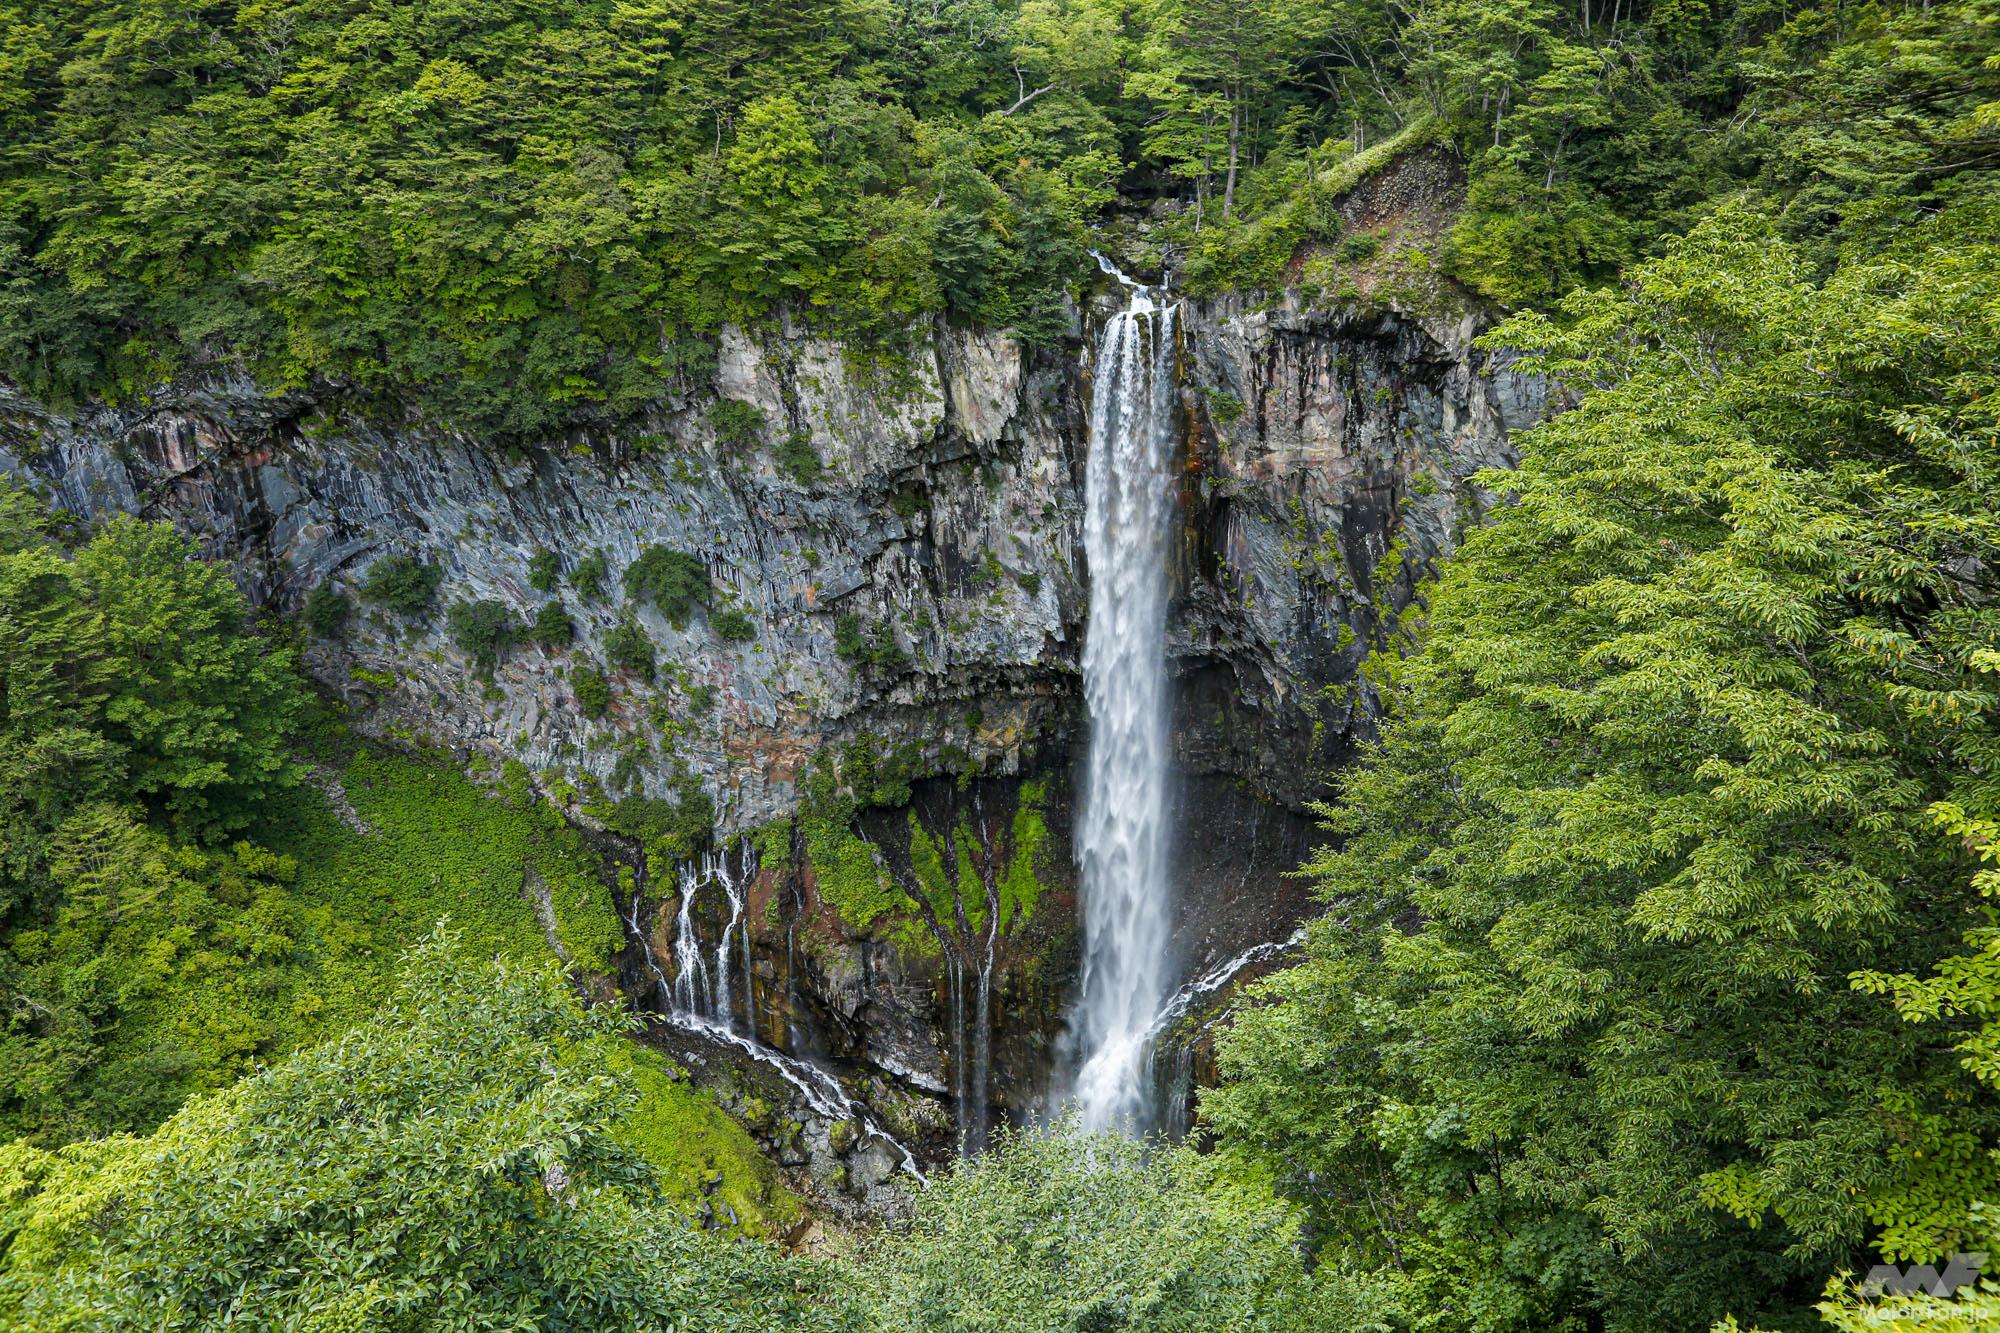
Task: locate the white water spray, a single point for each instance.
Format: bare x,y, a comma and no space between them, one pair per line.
1122,838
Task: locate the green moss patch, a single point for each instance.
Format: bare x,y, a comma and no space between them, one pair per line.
699,1150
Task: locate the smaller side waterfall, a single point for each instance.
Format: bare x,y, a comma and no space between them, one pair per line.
701,1003
1170,1045
701,984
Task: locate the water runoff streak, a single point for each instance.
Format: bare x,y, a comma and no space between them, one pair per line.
702,1000
1122,842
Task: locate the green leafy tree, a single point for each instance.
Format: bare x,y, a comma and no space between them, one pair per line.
1585,1048
128,672
452,1161
1069,1231
1209,68
147,982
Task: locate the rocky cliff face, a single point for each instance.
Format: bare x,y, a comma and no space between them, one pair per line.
902,543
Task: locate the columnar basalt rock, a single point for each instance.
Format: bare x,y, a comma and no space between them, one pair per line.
1328,471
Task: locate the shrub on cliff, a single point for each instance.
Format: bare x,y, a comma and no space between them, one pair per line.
798,459
544,570
630,649
551,627
736,424
592,690
673,581
589,576
733,625
484,630
326,610
402,583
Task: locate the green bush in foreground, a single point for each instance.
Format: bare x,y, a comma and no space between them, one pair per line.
451,1162
1074,1231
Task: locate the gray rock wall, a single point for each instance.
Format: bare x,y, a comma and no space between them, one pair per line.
1325,472
947,518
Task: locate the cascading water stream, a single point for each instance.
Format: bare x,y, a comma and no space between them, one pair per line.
1122,836
702,1005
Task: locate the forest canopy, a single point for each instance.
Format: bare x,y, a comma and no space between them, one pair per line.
527,215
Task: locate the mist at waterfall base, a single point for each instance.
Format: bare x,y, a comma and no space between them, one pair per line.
1122,837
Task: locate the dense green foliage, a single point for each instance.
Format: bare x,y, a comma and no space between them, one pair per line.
1066,1231
1661,984
454,1161
479,1154
551,627
526,215
327,610
522,210
163,969
1590,132
128,676
1585,1047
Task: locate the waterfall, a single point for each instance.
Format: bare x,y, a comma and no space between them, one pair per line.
697,989
701,1005
1121,844
1170,1053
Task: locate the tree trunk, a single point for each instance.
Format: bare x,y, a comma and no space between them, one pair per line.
1229,186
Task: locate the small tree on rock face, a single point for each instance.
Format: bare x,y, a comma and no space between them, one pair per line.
326,610
402,584
673,581
544,571
736,424
628,648
592,690
733,625
484,629
552,627
589,575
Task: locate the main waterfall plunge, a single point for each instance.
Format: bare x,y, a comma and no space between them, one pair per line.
1122,835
